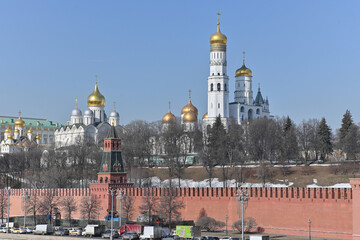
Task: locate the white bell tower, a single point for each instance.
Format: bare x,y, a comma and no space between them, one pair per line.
218,81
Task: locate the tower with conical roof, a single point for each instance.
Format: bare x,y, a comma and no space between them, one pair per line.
218,81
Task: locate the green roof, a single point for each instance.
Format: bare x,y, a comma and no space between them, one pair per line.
29,122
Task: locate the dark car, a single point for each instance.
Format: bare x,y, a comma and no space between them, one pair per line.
130,236
61,232
107,234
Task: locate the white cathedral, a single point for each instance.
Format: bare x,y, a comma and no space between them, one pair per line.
90,127
244,107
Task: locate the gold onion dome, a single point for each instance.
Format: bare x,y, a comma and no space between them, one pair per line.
8,130
19,122
218,37
205,116
16,131
30,131
10,136
190,117
189,107
243,71
169,117
96,99
38,137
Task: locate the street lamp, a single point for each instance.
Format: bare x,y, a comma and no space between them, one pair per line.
25,196
309,229
121,197
8,215
226,218
112,192
242,196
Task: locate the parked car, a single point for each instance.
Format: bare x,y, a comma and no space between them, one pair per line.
211,238
171,237
22,230
14,230
61,232
202,238
107,234
130,236
75,232
29,230
225,238
234,238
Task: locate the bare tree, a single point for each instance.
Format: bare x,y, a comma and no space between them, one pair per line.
170,206
90,207
69,206
33,206
128,207
48,203
3,204
149,204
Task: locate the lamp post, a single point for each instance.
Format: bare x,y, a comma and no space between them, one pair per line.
112,192
25,196
242,196
309,229
121,197
226,218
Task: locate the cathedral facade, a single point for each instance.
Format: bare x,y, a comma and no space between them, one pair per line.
91,126
244,107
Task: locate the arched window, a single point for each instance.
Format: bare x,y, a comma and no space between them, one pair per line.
101,180
242,109
106,180
218,86
218,74
257,111
211,87
250,114
225,87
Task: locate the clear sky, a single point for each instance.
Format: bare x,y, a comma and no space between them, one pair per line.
305,54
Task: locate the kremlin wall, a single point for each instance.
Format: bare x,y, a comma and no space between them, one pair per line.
334,212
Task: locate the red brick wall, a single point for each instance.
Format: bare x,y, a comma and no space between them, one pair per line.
276,210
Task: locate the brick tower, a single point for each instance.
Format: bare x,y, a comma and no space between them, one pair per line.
112,173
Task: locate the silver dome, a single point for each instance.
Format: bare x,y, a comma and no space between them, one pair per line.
76,113
114,114
88,112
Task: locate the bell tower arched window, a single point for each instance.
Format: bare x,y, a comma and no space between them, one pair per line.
211,87
218,86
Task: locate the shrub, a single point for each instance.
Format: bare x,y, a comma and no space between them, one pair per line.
249,224
209,224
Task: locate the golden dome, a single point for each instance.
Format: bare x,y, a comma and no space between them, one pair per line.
16,131
38,137
205,116
169,117
30,131
243,71
96,99
19,122
10,136
189,108
190,117
8,130
218,37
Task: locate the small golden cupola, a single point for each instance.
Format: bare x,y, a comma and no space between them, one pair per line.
218,38
8,129
19,122
243,71
96,99
169,117
30,131
205,116
189,107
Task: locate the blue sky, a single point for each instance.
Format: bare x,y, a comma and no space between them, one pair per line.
146,53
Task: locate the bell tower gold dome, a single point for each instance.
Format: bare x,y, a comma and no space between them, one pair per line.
243,71
218,37
96,99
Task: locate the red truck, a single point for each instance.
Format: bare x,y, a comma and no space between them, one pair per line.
131,228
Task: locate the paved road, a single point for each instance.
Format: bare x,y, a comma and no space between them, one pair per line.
4,236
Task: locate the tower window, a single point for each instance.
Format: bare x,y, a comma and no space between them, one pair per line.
225,87
213,74
218,105
211,87
218,86
218,74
